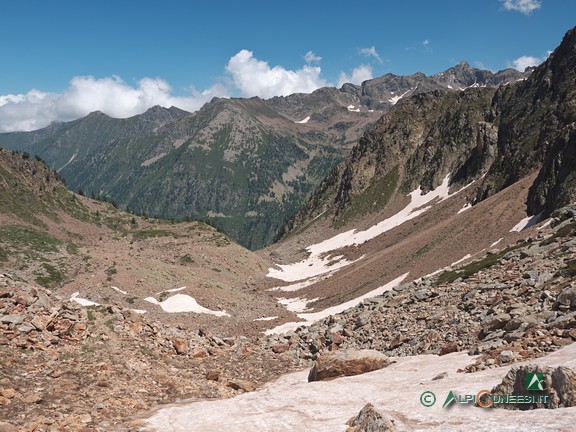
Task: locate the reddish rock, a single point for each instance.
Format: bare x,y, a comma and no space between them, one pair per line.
449,348
280,348
180,345
346,363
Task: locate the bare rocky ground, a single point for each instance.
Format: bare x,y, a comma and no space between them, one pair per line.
513,304
64,367
68,368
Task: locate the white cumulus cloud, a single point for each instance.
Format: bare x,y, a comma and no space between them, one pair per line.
310,57
523,62
358,75
371,52
523,6
255,77
245,75
86,94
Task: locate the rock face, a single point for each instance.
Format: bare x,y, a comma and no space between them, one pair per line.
559,385
346,363
369,419
500,135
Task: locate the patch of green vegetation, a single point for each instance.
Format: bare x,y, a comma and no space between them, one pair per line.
3,255
566,231
110,323
130,300
571,268
153,233
423,250
111,271
373,199
69,203
52,278
28,238
186,259
474,267
72,248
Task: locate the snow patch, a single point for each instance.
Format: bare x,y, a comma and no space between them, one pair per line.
351,108
139,311
303,121
183,303
466,207
545,224
311,317
497,241
266,318
320,262
68,163
527,222
300,285
464,258
119,290
82,301
394,100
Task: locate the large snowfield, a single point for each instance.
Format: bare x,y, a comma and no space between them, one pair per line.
293,404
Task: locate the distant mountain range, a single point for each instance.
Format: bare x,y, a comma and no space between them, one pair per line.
244,165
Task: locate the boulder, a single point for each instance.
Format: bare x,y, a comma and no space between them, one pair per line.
369,419
240,384
347,362
559,385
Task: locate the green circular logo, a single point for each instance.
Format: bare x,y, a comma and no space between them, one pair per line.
428,398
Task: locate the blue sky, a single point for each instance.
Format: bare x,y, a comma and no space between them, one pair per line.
62,59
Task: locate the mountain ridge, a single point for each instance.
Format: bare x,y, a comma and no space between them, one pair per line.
181,165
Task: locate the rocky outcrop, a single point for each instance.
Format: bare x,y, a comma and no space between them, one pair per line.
557,384
508,306
500,135
369,419
346,363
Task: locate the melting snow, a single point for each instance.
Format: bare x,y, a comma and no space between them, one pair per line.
292,404
183,303
464,258
545,224
497,241
303,121
70,161
394,100
312,317
82,301
527,222
266,318
300,285
118,289
319,263
466,207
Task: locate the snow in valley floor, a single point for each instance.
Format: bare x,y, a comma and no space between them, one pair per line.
292,404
